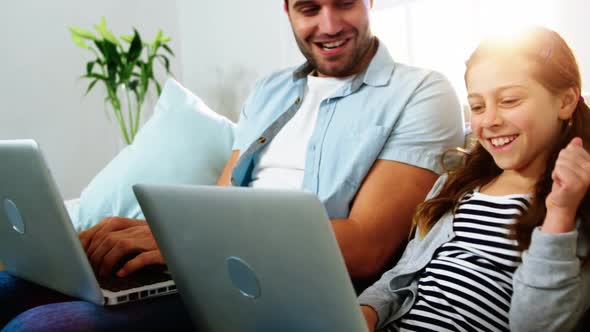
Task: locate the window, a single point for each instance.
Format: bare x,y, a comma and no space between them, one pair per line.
441,34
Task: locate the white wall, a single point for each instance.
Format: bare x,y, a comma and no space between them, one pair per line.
574,20
228,44
41,96
222,47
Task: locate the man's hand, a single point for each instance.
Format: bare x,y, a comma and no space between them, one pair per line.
571,179
370,317
114,238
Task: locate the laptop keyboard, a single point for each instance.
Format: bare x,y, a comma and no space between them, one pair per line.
138,279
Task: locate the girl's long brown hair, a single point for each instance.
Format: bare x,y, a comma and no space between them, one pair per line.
555,67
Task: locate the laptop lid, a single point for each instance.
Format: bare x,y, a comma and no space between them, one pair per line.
252,259
37,240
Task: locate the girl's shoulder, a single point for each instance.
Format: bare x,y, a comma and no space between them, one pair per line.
438,185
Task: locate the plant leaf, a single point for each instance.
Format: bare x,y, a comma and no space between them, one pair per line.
126,38
165,61
112,73
97,76
167,48
135,48
106,33
113,62
165,39
90,66
90,86
158,88
155,44
82,33
159,35
111,54
99,45
78,41
144,76
133,85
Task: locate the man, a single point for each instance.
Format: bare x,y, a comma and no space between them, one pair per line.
350,125
403,117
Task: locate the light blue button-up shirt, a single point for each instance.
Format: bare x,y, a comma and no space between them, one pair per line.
389,111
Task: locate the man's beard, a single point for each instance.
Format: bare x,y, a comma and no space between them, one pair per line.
347,68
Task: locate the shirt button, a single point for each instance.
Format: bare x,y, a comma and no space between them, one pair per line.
298,100
233,181
261,140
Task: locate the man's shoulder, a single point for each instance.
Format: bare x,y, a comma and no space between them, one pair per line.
404,73
401,82
407,81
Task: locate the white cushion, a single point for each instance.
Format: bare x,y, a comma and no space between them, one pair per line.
184,142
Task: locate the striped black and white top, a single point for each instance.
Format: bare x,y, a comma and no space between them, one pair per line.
467,285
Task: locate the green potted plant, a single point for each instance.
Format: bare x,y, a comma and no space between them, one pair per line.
124,71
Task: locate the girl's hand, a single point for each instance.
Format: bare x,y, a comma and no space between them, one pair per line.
370,317
571,179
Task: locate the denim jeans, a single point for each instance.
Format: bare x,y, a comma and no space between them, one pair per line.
28,307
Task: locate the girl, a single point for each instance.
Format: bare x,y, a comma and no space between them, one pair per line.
500,243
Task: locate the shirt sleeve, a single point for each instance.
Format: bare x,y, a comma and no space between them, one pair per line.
381,298
431,123
551,288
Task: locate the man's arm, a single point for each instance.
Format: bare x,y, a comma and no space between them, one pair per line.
382,211
225,176
381,215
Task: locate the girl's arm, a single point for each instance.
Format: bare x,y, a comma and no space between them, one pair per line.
551,290
551,287
380,298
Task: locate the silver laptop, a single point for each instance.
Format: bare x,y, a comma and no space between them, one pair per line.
252,259
37,239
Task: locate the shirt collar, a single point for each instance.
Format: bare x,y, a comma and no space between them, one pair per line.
378,73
